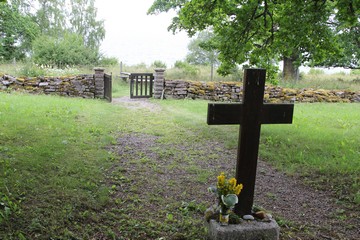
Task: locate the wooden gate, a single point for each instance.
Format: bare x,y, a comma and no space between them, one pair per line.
141,85
108,87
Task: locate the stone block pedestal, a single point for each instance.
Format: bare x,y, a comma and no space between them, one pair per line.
159,81
246,230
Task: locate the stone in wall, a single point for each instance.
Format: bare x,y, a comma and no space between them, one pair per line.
75,86
232,92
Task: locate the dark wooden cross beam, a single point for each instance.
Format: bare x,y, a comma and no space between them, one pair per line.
250,114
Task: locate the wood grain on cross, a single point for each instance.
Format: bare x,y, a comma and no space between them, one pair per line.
250,114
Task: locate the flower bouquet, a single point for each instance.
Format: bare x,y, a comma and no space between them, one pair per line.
227,192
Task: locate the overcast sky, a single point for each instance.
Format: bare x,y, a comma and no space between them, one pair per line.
135,37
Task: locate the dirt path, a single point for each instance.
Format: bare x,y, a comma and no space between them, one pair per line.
136,103
302,211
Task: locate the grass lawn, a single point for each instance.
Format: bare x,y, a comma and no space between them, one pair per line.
61,179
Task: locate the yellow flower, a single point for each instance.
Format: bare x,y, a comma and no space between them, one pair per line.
238,189
232,183
221,180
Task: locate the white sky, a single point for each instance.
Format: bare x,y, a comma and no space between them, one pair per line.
134,37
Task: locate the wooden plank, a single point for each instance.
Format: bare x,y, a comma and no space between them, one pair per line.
141,85
224,114
249,138
231,113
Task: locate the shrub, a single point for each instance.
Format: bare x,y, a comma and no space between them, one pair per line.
29,69
355,72
109,61
314,71
158,64
188,69
66,51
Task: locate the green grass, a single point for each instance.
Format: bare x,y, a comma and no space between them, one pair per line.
59,179
336,81
52,161
321,145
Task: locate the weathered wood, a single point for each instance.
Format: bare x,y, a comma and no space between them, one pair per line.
230,114
108,87
141,85
250,115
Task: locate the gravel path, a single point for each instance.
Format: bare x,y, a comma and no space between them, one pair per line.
302,211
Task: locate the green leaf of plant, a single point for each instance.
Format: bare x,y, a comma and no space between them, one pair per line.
229,200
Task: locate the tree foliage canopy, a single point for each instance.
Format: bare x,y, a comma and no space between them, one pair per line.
16,32
23,20
201,51
262,32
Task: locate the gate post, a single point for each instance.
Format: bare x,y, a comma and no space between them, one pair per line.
159,82
99,82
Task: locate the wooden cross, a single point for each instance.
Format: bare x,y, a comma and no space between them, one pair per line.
250,115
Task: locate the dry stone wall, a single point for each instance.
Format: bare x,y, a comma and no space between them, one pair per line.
84,85
232,92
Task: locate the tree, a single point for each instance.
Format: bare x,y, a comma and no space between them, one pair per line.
201,51
68,50
22,20
262,32
83,21
56,20
17,32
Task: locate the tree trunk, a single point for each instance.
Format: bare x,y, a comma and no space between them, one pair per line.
212,72
290,70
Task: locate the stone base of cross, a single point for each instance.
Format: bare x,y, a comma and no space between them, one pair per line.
250,114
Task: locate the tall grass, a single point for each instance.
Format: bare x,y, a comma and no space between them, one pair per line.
320,80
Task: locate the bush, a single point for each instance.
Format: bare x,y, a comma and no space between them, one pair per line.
158,64
29,69
188,69
66,51
109,61
355,72
314,71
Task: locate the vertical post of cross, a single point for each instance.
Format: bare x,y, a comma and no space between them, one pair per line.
159,81
249,137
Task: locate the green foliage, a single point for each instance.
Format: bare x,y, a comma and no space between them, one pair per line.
9,207
21,22
29,69
158,64
83,22
259,32
188,69
78,17
229,200
108,61
68,50
17,31
314,71
355,72
200,50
